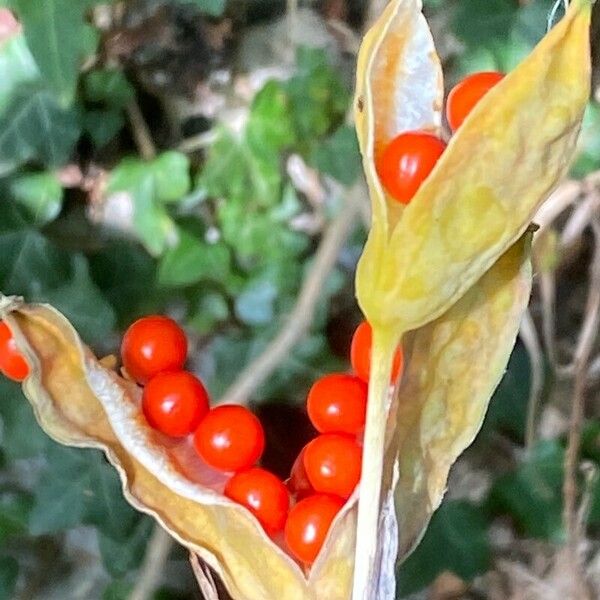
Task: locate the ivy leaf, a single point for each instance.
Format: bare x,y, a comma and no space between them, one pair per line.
211,308
17,67
20,435
103,125
9,571
194,260
318,97
171,172
80,488
31,264
481,22
58,38
14,513
339,156
150,184
508,407
79,298
126,275
60,497
255,305
456,541
37,269
108,510
35,127
125,553
270,124
213,8
588,158
532,493
108,86
40,194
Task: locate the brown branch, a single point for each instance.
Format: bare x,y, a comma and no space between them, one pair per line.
585,345
529,336
140,131
547,281
157,553
300,319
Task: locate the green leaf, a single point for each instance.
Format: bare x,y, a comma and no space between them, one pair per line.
590,441
108,510
339,156
14,513
211,308
40,194
30,264
532,493
269,123
507,413
192,261
588,158
17,67
456,541
171,171
214,8
62,494
79,487
57,36
117,590
83,303
126,274
21,437
35,127
9,571
255,305
149,185
318,97
103,125
35,268
235,171
125,554
108,86
481,22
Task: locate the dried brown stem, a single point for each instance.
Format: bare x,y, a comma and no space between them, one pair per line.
140,131
157,553
529,336
585,345
301,317
547,281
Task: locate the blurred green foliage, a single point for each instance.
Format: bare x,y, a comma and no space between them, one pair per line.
212,238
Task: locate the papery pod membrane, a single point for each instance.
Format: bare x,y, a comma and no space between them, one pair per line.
499,167
454,366
419,261
399,87
79,402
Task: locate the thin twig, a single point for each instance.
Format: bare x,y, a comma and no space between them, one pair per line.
547,281
374,10
141,131
198,142
585,345
529,336
157,553
292,24
300,319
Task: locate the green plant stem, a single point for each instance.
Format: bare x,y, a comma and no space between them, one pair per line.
382,352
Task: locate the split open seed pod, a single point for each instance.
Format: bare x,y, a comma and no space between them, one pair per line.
431,267
452,268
